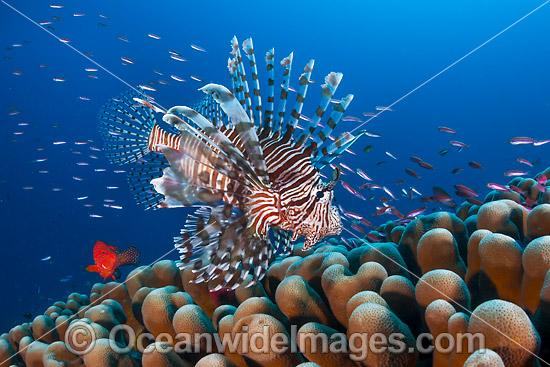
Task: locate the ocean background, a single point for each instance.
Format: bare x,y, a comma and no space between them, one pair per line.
385,49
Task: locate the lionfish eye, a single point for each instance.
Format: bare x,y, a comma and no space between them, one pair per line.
320,194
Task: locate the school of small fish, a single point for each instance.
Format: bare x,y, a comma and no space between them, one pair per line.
87,164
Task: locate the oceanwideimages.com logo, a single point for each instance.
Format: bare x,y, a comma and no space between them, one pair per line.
81,337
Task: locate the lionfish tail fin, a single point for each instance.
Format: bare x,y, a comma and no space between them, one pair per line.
125,125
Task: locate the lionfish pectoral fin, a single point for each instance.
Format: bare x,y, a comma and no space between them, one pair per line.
140,176
175,188
126,127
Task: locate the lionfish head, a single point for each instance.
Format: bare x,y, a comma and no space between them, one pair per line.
325,219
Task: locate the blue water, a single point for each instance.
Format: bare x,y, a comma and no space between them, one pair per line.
384,49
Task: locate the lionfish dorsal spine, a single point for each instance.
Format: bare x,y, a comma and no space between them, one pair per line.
300,98
248,48
332,81
279,118
270,62
337,111
241,73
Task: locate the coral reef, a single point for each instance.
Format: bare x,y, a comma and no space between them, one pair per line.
484,271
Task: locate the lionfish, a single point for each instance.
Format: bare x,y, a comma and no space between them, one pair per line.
253,175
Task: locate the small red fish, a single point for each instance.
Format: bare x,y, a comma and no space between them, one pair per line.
108,258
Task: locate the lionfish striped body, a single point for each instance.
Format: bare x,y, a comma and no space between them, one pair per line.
250,175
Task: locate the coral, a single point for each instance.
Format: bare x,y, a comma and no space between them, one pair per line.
503,216
160,354
538,222
108,314
418,227
474,265
215,360
102,355
458,325
484,358
426,280
199,292
437,249
398,292
7,352
396,233
507,331
500,268
445,285
363,297
256,305
313,339
221,312
262,354
339,285
301,303
371,318
43,329
536,263
159,308
57,354
311,268
385,254
437,317
192,320
162,274
541,319
32,351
